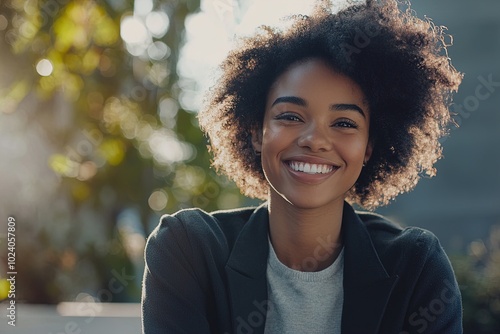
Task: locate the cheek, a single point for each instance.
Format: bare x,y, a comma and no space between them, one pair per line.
352,150
273,138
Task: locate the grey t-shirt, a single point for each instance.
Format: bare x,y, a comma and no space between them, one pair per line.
304,302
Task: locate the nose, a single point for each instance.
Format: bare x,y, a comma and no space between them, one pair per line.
316,137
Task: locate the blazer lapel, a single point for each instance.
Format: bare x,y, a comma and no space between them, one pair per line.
246,274
367,286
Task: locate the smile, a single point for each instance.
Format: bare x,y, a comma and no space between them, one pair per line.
308,168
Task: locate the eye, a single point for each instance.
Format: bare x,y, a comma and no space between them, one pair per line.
287,116
345,123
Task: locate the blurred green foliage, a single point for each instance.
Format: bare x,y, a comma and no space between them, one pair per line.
478,275
117,135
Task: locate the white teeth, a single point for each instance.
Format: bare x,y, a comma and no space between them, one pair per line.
310,168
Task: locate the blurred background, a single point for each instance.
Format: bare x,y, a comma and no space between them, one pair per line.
99,138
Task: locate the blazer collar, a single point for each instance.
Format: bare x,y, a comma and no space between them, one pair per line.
367,286
246,274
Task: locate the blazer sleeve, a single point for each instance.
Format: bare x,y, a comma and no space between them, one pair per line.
436,304
173,300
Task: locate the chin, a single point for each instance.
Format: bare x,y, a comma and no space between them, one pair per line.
308,202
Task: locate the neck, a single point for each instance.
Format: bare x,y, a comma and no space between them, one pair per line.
305,239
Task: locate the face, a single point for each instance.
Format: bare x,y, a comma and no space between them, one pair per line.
314,136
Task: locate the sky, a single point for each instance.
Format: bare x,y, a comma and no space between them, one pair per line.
212,31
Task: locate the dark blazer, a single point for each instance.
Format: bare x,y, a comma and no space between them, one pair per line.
206,273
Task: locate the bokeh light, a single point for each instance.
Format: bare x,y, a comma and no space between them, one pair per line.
167,149
4,23
157,23
44,67
133,30
158,200
143,7
158,50
167,110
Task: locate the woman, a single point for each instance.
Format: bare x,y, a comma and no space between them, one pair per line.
338,109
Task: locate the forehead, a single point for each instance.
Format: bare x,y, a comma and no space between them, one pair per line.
315,79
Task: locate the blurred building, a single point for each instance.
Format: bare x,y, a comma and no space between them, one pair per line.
461,203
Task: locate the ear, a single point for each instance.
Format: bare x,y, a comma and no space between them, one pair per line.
368,151
257,139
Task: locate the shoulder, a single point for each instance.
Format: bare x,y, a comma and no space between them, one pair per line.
194,230
198,222
385,233
399,247
427,289
184,275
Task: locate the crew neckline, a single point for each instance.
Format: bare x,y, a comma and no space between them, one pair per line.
284,271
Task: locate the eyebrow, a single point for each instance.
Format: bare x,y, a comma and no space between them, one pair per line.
347,106
303,103
290,99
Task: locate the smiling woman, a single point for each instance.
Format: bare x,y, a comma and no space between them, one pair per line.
311,120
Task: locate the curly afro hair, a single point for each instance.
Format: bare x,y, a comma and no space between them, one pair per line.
399,61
